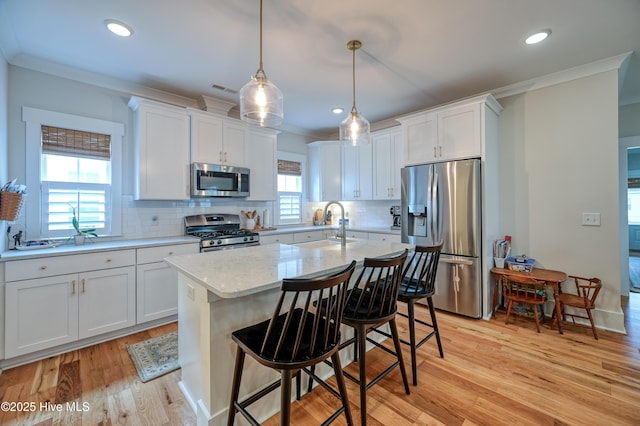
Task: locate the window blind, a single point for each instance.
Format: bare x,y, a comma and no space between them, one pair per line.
77,143
286,167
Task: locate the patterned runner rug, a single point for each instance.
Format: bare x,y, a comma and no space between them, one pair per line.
155,357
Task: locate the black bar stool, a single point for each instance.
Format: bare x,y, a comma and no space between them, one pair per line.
372,303
418,282
295,338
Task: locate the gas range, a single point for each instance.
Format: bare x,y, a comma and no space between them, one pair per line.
219,231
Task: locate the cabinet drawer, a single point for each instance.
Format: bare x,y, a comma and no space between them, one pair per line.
303,237
157,254
276,239
59,265
394,238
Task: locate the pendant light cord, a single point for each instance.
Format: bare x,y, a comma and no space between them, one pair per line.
260,70
353,108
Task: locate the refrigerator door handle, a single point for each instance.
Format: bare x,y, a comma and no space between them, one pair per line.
456,261
435,207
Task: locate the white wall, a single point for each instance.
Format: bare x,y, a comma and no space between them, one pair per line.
558,159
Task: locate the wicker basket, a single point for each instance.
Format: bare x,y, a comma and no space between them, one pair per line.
10,203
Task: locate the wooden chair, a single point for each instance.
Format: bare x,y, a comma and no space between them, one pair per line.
587,290
525,290
295,338
418,282
372,302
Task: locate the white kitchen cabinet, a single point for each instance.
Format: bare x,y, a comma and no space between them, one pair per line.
40,313
325,170
379,236
356,234
357,173
387,162
106,301
262,160
156,282
307,236
276,239
56,300
216,139
450,132
161,151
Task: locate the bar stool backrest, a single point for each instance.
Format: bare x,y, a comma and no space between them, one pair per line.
299,330
375,292
419,274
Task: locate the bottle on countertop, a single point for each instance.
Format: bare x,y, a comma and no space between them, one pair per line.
265,219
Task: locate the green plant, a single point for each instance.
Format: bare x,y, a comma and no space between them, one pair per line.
76,225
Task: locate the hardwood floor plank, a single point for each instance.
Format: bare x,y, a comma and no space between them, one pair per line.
492,374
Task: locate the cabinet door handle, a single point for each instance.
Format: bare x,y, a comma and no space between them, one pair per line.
108,260
225,156
83,285
440,149
220,156
435,153
43,267
73,287
170,253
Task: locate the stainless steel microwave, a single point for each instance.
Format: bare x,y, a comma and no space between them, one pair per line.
213,180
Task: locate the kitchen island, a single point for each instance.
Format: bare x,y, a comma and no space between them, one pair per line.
222,291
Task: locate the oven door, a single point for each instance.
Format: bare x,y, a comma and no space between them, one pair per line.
228,247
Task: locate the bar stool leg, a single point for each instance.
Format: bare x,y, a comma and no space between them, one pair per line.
434,322
235,389
396,342
285,397
362,349
412,340
342,388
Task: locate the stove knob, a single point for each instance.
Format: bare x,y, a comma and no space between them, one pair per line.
245,239
219,241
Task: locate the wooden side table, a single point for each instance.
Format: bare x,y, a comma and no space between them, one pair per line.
551,277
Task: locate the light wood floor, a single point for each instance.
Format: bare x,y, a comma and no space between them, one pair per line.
492,374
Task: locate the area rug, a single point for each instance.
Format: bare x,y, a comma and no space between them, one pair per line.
155,357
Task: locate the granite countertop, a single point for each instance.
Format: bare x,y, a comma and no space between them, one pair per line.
237,273
94,246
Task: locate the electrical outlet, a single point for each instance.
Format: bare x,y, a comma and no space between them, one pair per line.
590,219
154,221
190,292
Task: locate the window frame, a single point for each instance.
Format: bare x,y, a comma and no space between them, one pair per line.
34,119
302,159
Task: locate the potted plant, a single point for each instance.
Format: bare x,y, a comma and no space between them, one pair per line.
81,234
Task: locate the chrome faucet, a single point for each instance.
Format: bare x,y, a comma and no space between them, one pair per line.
343,234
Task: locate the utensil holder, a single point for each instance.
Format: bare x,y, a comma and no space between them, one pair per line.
499,261
10,204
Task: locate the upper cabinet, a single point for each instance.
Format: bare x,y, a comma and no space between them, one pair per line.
356,173
450,132
325,169
262,145
387,162
217,140
161,151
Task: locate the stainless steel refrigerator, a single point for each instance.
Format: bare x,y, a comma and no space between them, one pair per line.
442,201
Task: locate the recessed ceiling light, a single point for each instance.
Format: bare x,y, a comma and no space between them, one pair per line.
537,37
118,28
337,110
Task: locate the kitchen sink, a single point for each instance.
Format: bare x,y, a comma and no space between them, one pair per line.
326,243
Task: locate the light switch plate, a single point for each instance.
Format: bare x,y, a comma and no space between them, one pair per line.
591,219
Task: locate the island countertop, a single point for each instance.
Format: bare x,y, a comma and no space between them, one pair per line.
237,273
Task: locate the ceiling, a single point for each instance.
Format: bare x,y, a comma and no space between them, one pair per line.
415,53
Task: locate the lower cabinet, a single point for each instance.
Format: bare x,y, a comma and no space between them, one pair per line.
157,282
46,312
276,239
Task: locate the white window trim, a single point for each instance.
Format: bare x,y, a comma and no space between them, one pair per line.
302,159
34,119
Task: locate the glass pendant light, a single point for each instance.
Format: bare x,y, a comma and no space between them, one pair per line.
355,129
260,100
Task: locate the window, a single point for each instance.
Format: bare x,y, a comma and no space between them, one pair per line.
289,191
75,175
78,160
